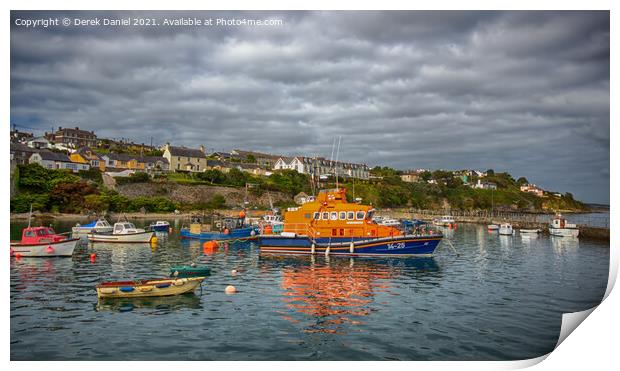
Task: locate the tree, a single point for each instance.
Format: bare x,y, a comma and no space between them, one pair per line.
251,159
522,181
490,172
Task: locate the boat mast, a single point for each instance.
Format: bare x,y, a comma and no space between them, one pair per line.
336,163
29,215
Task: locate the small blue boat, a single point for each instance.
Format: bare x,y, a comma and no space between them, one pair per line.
159,226
228,228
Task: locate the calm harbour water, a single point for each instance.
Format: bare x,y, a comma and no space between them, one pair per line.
501,298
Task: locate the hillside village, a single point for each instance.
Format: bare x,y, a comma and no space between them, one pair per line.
111,162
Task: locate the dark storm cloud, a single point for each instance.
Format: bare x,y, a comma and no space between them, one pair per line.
524,92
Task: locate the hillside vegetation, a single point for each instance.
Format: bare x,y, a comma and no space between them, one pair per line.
62,191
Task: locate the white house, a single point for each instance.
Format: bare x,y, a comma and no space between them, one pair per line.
53,160
485,185
39,143
322,167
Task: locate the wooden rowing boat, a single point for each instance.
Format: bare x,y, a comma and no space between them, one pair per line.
146,288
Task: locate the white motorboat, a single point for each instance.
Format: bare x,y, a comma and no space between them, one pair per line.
123,232
446,221
390,222
560,227
505,229
97,226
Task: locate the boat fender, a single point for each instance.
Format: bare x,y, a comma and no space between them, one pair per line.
126,289
252,233
312,249
49,250
351,247
327,250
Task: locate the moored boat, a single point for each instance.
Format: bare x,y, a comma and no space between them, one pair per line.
96,226
505,229
330,225
124,232
193,270
560,227
144,288
492,227
43,242
445,221
225,228
159,226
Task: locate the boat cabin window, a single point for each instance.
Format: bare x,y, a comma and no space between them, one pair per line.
370,214
29,234
350,215
342,216
325,216
317,216
360,215
118,227
334,216
41,232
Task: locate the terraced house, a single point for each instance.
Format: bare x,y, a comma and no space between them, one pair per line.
183,159
320,166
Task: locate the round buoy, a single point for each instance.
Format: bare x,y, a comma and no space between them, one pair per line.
93,256
18,256
230,289
153,240
226,231
233,272
242,214
49,250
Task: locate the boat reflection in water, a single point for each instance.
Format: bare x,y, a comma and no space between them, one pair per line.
338,292
560,244
162,304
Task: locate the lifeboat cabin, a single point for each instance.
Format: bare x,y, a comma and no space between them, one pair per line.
331,216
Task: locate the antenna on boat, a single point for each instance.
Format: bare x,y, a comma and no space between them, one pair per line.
29,215
336,163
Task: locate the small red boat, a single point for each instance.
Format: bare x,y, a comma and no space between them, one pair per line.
43,242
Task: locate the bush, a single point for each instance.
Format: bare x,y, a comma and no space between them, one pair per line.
133,178
216,202
70,196
21,203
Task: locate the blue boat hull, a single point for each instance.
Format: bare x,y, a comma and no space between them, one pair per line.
159,228
423,246
234,234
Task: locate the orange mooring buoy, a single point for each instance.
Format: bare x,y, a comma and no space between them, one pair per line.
230,289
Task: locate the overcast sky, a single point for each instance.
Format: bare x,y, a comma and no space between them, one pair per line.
523,92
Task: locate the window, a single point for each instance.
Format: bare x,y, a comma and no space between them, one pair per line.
360,215
341,231
325,216
29,234
334,216
317,216
343,215
350,215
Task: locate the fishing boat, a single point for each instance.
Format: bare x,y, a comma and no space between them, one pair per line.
445,221
43,242
124,232
97,226
219,228
560,227
192,270
159,226
144,288
330,225
530,231
505,229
